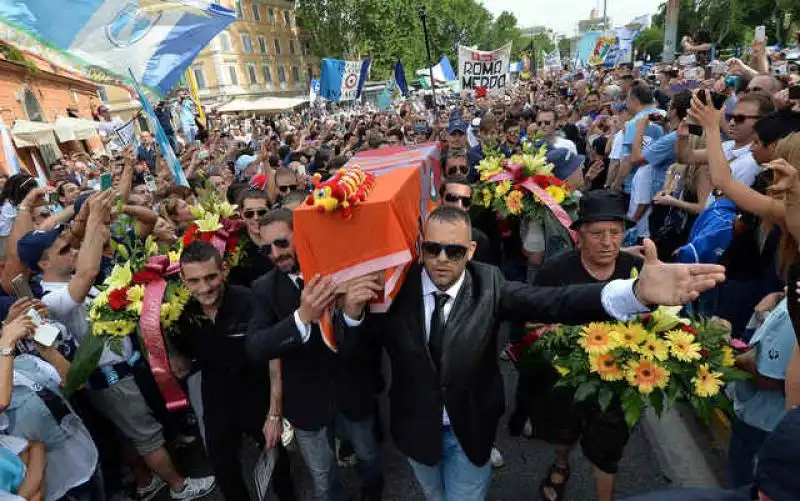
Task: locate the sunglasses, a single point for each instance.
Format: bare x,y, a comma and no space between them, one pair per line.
64,250
754,89
454,252
463,169
544,123
452,199
739,118
248,214
281,243
286,188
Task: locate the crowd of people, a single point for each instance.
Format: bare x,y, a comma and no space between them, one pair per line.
694,184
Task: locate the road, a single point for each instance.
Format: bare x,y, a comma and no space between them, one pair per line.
527,460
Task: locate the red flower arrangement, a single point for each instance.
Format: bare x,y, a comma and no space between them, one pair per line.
118,298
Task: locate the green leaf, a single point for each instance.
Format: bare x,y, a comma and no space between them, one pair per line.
115,345
84,363
585,390
605,395
633,404
657,401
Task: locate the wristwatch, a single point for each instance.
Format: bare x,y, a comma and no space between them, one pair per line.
6,352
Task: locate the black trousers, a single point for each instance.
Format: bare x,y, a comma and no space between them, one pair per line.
226,420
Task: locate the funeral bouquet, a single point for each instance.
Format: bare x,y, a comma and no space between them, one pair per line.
652,360
215,223
523,185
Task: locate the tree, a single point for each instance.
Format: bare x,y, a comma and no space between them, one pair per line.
650,42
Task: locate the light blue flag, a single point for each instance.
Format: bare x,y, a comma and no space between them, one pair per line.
161,137
155,39
343,80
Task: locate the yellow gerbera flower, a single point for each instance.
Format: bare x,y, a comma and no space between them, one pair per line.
514,202
728,360
502,188
629,336
120,276
646,375
605,365
557,193
117,328
653,347
596,339
683,347
707,383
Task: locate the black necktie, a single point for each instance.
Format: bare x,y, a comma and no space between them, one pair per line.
436,333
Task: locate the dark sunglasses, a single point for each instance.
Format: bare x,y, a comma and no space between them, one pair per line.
464,201
248,214
463,169
286,188
454,252
281,243
754,89
544,123
64,250
740,119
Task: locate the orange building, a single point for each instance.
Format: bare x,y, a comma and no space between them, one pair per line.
34,96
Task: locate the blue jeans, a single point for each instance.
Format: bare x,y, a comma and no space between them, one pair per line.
455,478
362,436
317,450
743,450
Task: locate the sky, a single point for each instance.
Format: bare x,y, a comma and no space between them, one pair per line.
564,20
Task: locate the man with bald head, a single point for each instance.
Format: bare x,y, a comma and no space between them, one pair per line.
441,337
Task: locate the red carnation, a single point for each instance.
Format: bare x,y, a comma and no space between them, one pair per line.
230,245
205,236
145,277
190,235
688,328
645,318
118,298
556,181
543,181
704,353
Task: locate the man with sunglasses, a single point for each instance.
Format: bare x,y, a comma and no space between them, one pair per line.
320,391
457,192
547,124
456,163
285,182
441,337
253,205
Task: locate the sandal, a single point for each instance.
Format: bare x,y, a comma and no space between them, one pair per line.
557,488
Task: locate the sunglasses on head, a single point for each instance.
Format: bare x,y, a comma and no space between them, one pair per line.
286,188
544,123
454,252
452,198
281,243
248,214
739,118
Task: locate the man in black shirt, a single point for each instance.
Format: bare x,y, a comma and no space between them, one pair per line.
457,192
238,396
254,263
601,228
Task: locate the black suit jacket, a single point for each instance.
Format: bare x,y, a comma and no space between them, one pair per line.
314,383
470,381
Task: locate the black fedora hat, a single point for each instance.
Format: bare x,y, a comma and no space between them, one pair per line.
601,205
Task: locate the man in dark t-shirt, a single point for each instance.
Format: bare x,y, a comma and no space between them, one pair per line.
457,192
555,416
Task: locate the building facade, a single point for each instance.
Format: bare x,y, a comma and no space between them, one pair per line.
263,53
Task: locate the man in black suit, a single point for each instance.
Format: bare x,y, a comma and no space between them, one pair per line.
318,391
441,337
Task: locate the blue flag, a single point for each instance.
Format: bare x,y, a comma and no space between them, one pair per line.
161,137
155,40
343,80
400,77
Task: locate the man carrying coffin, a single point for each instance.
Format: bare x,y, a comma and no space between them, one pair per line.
441,335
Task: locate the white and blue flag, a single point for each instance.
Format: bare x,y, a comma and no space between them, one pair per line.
155,40
343,80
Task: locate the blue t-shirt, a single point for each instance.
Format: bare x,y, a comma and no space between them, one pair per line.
661,155
652,133
773,342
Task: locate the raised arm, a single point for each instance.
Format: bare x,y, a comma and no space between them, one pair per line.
91,250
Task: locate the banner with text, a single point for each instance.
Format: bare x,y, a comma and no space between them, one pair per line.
484,69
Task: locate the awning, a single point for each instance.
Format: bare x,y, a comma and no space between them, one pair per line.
262,104
29,134
75,129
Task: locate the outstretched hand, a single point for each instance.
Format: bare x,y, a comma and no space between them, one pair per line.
673,284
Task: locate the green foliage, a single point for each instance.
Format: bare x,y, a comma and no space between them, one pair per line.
388,29
650,42
13,54
84,363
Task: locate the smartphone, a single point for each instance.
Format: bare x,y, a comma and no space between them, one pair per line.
105,181
45,333
761,34
717,99
150,183
695,130
21,287
794,92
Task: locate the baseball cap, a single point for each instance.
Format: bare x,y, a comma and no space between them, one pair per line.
564,161
33,244
242,162
779,460
457,124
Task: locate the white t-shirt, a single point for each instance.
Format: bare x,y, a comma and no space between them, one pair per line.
561,142
744,167
107,129
640,195
74,315
617,151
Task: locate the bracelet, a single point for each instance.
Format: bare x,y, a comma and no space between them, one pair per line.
274,418
7,352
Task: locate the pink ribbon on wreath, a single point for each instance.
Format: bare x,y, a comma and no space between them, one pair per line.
219,239
516,174
155,284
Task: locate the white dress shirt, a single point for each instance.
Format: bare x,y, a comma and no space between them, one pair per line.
303,327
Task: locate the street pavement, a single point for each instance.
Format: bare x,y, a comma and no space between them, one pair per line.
526,462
